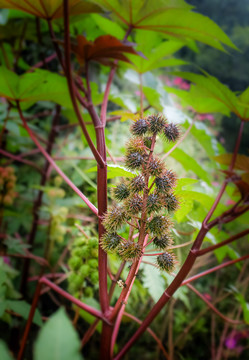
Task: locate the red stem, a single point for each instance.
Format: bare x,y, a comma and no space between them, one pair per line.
18,158
151,332
222,243
51,161
213,308
71,85
231,166
218,267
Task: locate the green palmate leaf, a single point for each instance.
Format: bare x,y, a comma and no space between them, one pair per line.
5,354
23,308
170,17
189,163
153,98
220,98
199,101
153,281
155,49
108,26
49,9
58,339
41,85
202,134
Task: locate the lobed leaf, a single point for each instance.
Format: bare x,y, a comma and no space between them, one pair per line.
50,9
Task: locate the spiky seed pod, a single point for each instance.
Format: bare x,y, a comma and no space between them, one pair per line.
121,192
110,241
171,202
134,204
165,181
155,166
140,127
157,123
137,184
114,218
148,141
153,203
135,145
171,132
166,261
158,225
134,160
164,241
129,250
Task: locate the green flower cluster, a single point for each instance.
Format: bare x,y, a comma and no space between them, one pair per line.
146,199
83,265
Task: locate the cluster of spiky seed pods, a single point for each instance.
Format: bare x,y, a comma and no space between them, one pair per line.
147,199
7,185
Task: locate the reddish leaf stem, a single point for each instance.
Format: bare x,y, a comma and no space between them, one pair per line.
222,243
213,308
224,185
18,158
71,85
51,161
218,267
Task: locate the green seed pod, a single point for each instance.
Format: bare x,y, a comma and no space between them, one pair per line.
158,225
171,132
110,241
114,218
134,204
93,242
76,281
153,203
84,270
94,253
129,250
80,241
121,192
155,166
94,277
157,123
88,292
134,160
166,261
165,181
93,263
84,251
75,262
140,127
137,184
163,242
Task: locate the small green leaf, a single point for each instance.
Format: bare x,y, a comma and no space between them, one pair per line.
22,308
245,307
153,281
5,355
189,163
58,339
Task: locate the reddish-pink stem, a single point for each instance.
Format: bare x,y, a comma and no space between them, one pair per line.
51,161
213,308
18,158
63,293
209,271
222,243
231,166
151,332
71,86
